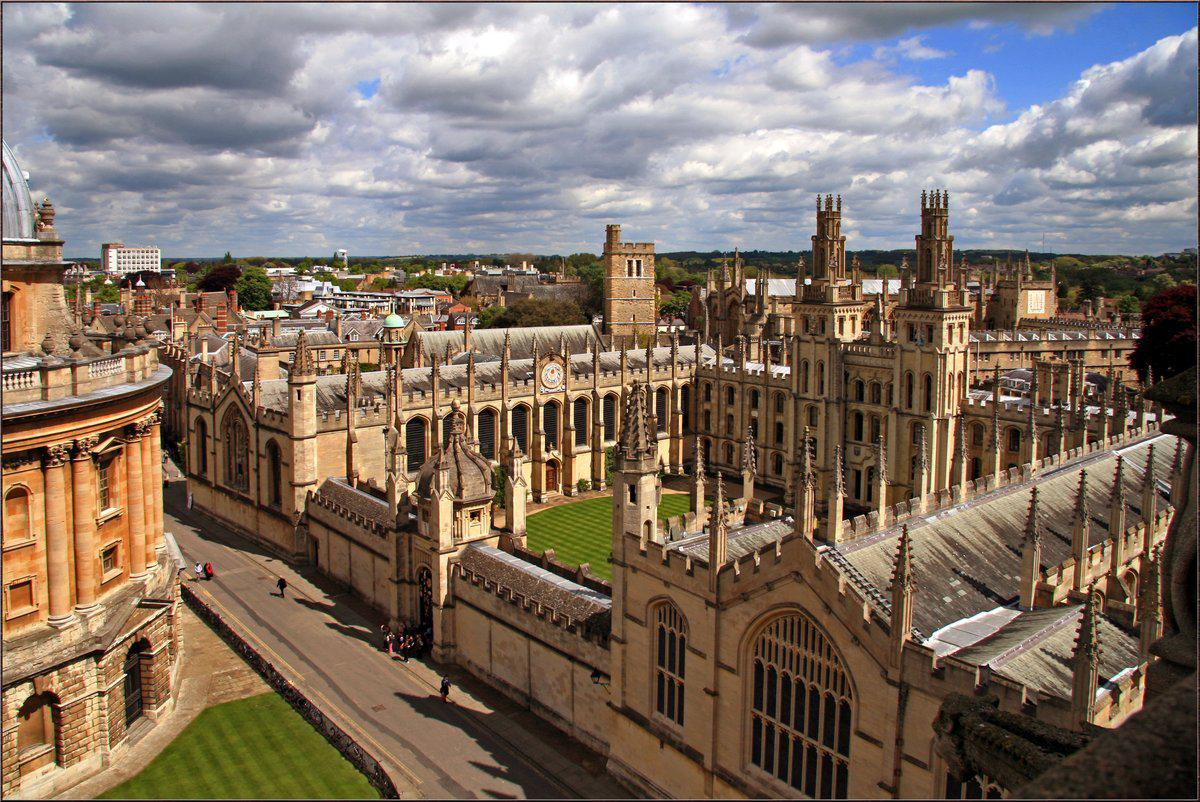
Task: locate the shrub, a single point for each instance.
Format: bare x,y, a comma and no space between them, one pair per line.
583,485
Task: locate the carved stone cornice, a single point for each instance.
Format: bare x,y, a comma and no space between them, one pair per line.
84,447
23,459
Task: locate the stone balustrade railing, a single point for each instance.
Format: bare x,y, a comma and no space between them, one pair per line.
57,379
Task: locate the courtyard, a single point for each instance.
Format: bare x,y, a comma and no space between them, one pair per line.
581,532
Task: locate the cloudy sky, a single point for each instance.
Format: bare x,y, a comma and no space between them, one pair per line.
396,129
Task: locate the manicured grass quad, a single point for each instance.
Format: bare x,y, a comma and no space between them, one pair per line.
582,532
255,748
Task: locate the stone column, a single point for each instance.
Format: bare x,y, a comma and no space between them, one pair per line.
83,492
148,493
58,572
156,463
135,499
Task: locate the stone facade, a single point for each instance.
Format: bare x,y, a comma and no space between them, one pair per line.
630,300
89,593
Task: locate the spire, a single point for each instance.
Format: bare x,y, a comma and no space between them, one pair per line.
1031,554
698,482
1149,603
1116,508
1085,663
881,477
837,492
1081,525
637,440
921,481
718,535
903,588
302,362
805,490
1149,492
353,381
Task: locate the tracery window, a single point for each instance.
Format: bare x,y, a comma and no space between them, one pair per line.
685,405
975,787
908,389
520,427
414,443
875,393
550,424
1014,439
610,417
729,396
660,409
670,637
928,381
800,708
237,452
486,424
201,448
859,390
754,399
579,410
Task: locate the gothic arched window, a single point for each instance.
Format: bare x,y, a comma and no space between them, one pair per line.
579,408
812,416
660,408
520,427
908,389
670,652
237,470
780,403
685,406
928,387
610,417
414,443
858,426
730,398
777,464
977,434
800,708
550,424
859,390
876,396
820,378
804,376
485,423
1014,439
274,475
754,399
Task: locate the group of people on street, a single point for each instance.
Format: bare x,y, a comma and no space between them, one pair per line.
409,641
205,571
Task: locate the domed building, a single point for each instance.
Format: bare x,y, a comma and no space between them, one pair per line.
90,593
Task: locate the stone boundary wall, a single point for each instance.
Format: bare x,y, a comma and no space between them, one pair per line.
337,737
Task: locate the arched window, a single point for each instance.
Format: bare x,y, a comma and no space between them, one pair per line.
520,427
858,426
876,428
812,416
800,708
889,393
670,652
804,376
685,406
778,432
917,430
16,515
550,424
908,389
707,451
201,463
414,443
730,398
780,403
661,411
977,434
274,475
134,663
707,391
707,420
237,473
729,424
976,468
754,399
610,417
777,464
446,421
859,390
820,378
579,419
6,321
37,732
876,395
728,453
1014,439
928,387
485,423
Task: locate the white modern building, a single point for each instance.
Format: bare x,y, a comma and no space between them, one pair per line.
117,259
342,256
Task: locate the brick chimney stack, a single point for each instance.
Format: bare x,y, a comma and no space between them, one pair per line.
141,304
233,300
222,319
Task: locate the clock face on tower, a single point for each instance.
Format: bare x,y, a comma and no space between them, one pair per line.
552,376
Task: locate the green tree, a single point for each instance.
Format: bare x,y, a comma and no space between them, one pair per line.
228,257
254,289
1128,305
675,304
532,312
220,278
886,271
1162,281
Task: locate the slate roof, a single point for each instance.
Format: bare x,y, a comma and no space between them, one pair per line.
967,559
491,341
742,541
588,609
356,501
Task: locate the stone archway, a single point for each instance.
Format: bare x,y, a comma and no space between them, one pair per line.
552,476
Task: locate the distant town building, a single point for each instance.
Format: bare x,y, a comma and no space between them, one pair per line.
117,259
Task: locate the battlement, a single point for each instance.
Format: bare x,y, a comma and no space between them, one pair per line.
935,201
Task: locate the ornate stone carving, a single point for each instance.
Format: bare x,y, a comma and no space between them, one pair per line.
84,446
57,454
45,215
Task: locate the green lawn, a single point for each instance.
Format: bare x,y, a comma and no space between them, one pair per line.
582,532
255,748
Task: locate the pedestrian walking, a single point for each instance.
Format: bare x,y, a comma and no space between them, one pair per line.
199,572
282,585
386,631
445,689
209,572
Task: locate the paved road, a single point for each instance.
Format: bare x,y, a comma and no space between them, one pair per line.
482,746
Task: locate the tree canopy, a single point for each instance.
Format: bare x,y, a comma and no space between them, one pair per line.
220,278
532,312
1168,342
254,289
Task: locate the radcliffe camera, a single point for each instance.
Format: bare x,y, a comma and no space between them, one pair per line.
599,401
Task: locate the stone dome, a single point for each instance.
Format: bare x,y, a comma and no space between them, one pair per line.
393,321
20,213
467,474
